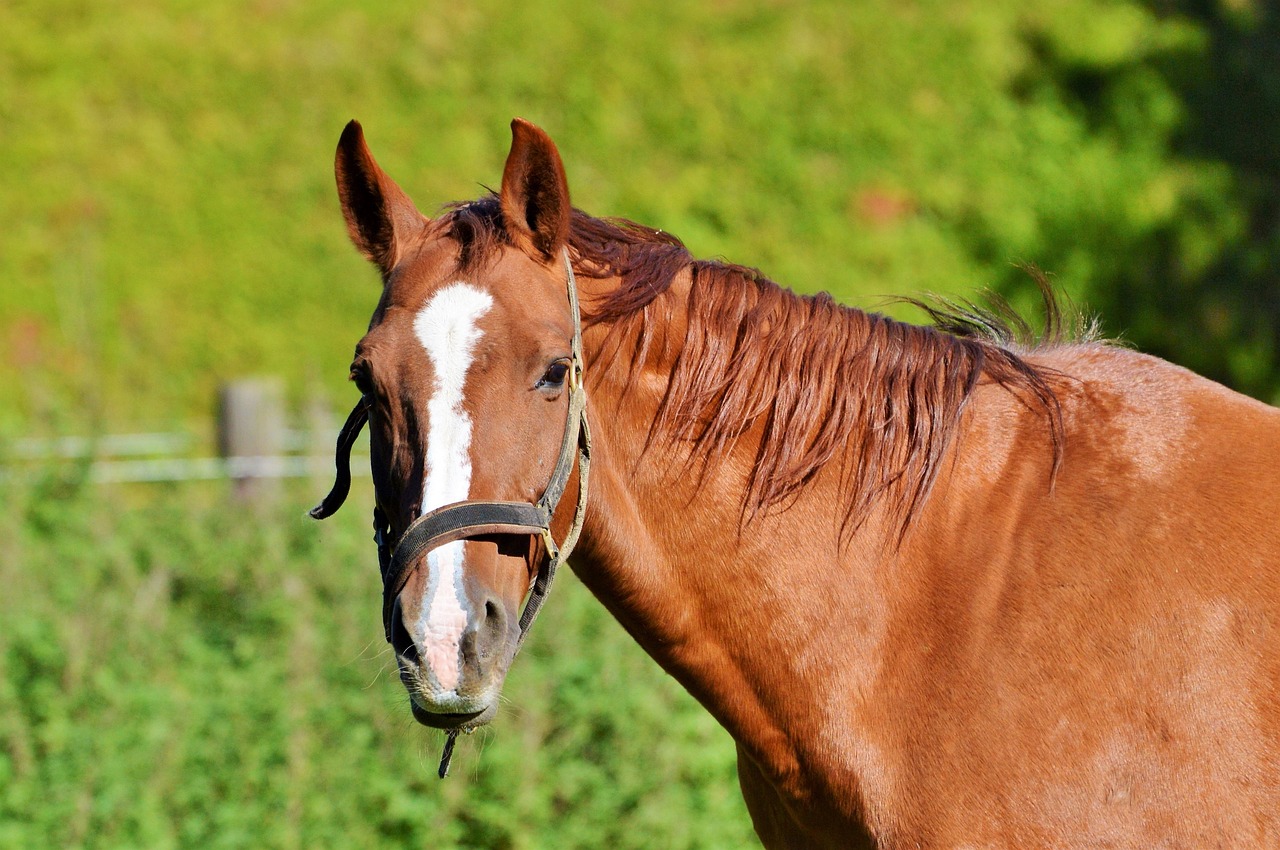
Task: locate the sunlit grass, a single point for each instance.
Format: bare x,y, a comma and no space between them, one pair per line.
175,672
173,219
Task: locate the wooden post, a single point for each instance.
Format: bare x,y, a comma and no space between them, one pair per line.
251,435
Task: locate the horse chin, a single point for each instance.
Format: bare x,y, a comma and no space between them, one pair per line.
456,722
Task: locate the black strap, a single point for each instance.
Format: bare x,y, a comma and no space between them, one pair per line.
382,537
556,555
342,460
564,460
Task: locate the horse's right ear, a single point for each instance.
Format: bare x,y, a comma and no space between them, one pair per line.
380,217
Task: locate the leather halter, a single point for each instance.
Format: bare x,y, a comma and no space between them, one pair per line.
476,518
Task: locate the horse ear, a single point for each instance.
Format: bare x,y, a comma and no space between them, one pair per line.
380,217
535,193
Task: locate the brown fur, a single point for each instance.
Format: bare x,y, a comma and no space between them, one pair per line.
980,596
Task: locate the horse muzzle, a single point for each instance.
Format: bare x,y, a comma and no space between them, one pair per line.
453,657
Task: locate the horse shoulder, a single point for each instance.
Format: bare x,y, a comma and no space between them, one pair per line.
1096,653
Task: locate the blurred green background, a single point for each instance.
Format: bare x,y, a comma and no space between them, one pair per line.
180,671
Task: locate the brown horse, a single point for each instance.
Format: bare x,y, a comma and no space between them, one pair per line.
944,589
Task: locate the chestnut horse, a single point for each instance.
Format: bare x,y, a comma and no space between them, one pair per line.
944,589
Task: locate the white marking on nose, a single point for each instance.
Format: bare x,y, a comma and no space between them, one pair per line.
446,327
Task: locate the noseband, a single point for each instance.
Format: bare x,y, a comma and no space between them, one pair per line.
470,519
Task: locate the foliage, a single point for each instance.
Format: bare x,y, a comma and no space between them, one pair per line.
170,218
188,674
1184,260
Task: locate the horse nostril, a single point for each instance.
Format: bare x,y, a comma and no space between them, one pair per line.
401,641
494,627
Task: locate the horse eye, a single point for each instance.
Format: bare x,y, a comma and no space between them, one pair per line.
555,375
360,377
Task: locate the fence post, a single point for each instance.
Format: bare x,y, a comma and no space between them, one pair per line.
251,435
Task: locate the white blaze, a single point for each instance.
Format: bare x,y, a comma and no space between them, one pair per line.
446,327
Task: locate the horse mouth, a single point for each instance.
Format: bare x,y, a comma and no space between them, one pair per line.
458,722
462,718
467,712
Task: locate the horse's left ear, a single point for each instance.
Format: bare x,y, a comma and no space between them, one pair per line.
535,193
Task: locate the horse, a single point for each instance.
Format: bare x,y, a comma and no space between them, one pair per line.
944,586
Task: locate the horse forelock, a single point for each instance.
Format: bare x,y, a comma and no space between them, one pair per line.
817,378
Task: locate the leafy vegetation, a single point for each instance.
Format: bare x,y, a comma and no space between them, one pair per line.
175,673
170,216
183,674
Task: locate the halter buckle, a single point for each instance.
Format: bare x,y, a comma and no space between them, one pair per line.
549,543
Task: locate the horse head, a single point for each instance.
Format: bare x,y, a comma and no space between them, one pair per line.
471,382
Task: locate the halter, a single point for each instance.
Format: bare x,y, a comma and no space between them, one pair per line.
476,518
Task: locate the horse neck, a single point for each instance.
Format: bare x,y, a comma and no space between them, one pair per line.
730,608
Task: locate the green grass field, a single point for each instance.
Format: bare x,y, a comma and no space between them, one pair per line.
170,212
175,672
181,674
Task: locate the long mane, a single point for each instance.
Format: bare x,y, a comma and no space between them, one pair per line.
816,378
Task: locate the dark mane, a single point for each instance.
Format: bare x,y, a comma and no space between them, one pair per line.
813,375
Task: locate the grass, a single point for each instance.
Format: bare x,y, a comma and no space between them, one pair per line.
188,674
172,219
